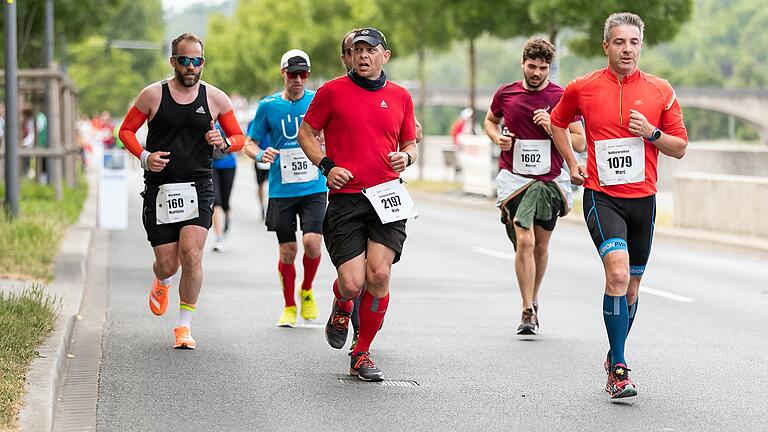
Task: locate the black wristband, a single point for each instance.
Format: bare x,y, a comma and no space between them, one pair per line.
410,162
325,165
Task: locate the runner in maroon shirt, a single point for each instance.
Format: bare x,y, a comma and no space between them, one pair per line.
531,176
370,138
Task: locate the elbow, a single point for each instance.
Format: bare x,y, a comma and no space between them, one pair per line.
680,151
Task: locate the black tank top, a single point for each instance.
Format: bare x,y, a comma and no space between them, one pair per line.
180,129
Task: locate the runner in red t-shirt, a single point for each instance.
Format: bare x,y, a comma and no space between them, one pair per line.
370,137
529,197
630,117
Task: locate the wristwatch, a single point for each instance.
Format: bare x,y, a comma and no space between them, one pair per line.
655,135
409,159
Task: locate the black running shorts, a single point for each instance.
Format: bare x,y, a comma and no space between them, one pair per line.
223,179
621,224
169,233
282,212
351,221
262,175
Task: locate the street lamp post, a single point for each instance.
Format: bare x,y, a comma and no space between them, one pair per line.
11,114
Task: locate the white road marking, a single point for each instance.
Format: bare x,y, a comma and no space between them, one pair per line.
664,294
493,253
643,288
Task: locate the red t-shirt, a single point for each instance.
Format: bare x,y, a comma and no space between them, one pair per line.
362,127
516,105
605,105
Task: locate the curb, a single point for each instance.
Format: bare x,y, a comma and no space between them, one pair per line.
725,239
45,372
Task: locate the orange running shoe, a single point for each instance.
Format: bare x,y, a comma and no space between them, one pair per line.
184,338
158,298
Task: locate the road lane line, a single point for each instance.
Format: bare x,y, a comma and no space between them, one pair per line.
493,253
643,288
664,294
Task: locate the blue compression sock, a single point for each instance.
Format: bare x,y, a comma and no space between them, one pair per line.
616,317
632,311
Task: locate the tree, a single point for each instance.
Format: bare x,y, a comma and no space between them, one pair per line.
73,21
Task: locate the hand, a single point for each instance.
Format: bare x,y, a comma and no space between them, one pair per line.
639,125
269,155
578,174
155,161
398,160
338,177
541,118
505,141
214,138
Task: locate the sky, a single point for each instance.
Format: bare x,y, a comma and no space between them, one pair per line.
179,5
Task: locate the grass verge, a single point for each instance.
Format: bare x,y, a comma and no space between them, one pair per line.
31,242
26,318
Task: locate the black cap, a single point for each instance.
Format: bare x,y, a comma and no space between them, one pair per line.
295,61
371,36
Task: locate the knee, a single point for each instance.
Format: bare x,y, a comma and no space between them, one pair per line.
350,287
618,279
190,257
541,249
288,252
312,248
378,278
167,266
525,241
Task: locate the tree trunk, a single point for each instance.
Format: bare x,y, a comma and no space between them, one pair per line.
554,70
422,102
472,84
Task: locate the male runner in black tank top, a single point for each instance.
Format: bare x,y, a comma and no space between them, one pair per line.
178,194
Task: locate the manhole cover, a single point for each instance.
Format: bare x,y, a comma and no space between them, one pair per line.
388,383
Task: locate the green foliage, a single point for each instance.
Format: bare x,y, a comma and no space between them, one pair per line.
243,51
73,21
31,241
25,319
110,78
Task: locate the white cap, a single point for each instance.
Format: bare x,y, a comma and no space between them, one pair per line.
295,60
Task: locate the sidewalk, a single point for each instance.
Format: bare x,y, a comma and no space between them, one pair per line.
45,372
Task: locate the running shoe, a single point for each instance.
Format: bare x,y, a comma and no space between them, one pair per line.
536,314
184,338
362,367
527,323
607,363
158,298
218,246
288,318
308,304
619,385
355,335
336,328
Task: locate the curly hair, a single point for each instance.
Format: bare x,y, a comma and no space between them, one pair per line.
538,48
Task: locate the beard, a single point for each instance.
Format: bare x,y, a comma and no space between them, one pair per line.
186,82
534,84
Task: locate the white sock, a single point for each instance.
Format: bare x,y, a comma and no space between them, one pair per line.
167,281
185,315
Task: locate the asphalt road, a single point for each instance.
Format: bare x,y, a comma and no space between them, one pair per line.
697,349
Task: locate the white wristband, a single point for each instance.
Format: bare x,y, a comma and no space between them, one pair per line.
144,156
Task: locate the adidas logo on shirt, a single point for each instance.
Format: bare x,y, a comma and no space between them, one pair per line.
200,110
384,104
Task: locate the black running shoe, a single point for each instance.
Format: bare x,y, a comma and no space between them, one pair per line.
362,367
527,323
336,328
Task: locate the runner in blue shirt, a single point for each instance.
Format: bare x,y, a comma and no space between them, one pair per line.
296,188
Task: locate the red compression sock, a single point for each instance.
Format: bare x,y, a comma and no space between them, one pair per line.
372,311
310,270
288,277
344,305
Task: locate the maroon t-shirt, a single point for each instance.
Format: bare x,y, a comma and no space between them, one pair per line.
516,105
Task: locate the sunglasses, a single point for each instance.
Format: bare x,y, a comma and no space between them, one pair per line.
185,61
294,75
